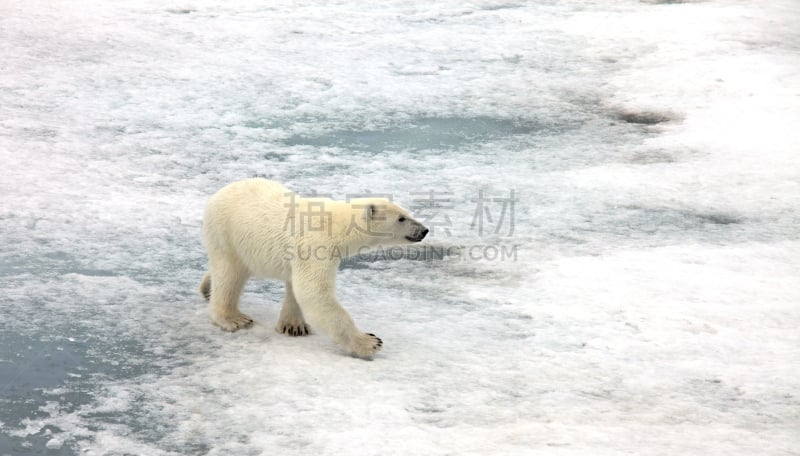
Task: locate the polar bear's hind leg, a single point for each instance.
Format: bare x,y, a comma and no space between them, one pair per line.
229,280
291,321
205,286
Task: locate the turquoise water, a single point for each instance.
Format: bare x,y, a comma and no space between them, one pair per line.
613,261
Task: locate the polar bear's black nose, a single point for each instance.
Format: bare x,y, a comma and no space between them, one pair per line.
419,233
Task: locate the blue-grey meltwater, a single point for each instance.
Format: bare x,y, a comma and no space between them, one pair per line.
612,191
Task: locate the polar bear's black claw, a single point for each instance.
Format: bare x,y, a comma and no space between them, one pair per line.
378,343
294,331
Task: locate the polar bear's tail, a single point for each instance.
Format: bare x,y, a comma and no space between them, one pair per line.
205,286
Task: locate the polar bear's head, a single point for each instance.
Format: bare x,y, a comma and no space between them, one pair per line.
387,223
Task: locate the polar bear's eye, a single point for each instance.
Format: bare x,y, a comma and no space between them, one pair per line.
401,219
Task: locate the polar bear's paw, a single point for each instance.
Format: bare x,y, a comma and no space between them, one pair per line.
293,327
366,345
233,322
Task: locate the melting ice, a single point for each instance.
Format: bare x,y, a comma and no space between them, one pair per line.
649,151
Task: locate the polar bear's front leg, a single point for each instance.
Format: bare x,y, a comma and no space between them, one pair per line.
291,321
317,299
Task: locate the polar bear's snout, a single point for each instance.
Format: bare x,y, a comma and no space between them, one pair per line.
418,232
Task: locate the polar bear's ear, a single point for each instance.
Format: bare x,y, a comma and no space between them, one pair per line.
369,212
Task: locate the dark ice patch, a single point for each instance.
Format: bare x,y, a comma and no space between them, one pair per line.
29,368
50,264
652,157
181,10
501,6
659,220
717,218
643,117
662,225
273,156
669,2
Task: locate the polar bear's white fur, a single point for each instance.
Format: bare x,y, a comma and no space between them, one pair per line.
259,228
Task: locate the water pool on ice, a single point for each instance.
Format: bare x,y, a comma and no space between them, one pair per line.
650,306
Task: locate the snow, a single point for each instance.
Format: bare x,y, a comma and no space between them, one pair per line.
644,300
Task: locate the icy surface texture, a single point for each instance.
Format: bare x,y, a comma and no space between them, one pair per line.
643,297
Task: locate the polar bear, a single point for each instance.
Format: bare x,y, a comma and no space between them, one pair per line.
259,228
